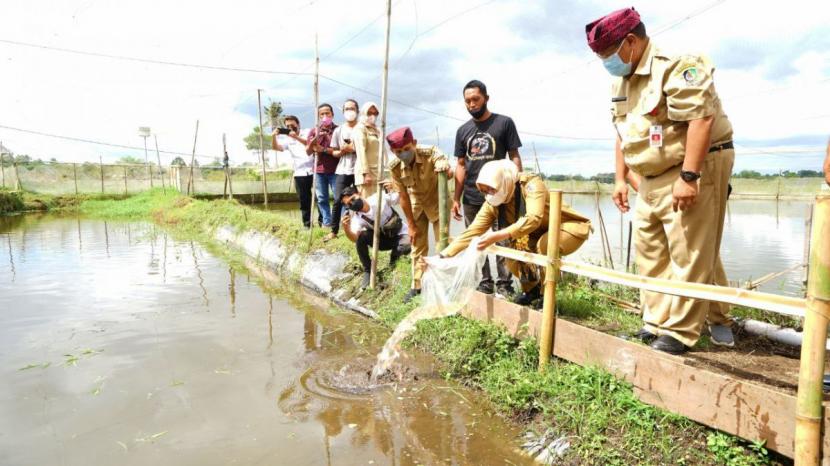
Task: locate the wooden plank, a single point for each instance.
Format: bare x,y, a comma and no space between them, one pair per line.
721,401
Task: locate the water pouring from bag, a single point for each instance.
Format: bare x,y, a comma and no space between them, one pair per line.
445,290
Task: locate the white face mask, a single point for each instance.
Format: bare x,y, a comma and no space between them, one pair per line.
371,119
350,115
497,199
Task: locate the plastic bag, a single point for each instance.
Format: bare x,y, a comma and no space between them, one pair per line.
445,289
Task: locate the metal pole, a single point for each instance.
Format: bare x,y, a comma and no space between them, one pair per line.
158,158
75,176
809,415
101,164
191,188
551,275
262,147
381,149
443,212
312,218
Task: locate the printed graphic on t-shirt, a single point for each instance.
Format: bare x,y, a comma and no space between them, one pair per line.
481,146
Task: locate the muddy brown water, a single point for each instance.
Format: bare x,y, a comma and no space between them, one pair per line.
122,345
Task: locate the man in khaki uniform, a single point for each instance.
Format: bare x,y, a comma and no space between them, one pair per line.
415,173
672,131
526,203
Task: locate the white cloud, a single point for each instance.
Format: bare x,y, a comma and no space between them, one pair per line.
544,79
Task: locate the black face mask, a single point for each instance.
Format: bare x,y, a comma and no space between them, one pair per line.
478,113
356,205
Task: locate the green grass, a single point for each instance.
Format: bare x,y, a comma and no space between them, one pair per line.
606,422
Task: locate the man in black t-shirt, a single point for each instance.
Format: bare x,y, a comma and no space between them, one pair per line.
485,137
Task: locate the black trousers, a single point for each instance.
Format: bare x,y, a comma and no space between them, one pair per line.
340,183
364,246
303,185
505,277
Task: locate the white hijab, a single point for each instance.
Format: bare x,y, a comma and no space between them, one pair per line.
500,175
364,112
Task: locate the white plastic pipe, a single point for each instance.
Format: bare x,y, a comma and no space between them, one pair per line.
775,333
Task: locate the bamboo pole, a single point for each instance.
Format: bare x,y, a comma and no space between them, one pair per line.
311,215
226,162
381,149
2,164
125,179
101,164
628,248
147,163
536,158
191,186
262,148
18,186
75,176
443,212
551,274
158,158
809,415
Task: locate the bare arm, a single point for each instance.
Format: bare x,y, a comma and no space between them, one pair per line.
460,174
516,158
827,165
347,227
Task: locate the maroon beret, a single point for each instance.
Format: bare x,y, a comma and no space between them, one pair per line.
400,137
611,28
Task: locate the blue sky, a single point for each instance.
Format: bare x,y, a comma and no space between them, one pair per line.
773,71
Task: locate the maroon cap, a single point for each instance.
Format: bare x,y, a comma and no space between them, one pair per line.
400,137
611,28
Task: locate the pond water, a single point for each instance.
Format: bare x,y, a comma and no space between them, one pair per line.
122,345
760,237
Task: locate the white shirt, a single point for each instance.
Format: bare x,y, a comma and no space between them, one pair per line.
346,164
366,220
302,162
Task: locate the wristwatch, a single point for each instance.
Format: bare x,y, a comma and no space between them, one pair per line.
689,176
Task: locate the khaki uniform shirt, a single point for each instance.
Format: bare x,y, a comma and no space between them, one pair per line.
533,224
419,180
366,147
660,98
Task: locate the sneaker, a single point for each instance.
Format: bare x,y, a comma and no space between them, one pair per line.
367,277
505,291
485,287
668,344
528,297
645,336
721,335
329,237
410,295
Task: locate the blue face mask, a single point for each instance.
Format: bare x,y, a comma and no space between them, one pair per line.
615,65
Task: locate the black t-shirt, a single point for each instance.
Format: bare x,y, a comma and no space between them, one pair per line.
480,142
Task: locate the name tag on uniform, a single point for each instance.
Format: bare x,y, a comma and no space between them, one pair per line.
655,136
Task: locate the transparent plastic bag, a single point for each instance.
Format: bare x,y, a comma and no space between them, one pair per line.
445,289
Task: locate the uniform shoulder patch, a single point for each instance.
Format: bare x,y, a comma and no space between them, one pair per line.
691,69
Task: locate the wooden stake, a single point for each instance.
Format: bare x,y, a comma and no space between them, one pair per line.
808,415
312,218
381,149
262,147
191,186
443,212
101,164
158,158
551,275
75,176
18,186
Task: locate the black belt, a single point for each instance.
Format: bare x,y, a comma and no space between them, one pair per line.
720,147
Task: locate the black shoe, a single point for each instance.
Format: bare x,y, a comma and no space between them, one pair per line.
669,345
526,298
367,277
506,291
410,295
645,336
485,287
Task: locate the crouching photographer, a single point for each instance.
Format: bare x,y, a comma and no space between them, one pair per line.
359,224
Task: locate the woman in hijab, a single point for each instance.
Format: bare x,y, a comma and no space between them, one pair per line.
366,138
521,205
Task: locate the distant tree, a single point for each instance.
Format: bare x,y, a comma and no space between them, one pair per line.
215,163
274,114
810,174
178,162
252,140
603,178
21,159
53,160
130,160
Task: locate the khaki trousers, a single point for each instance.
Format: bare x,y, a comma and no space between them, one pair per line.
682,245
420,247
531,275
